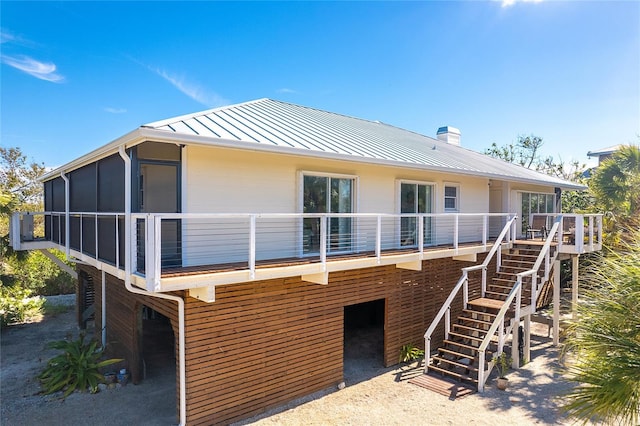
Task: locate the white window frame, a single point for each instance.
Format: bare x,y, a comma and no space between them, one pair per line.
300,202
399,183
446,185
527,215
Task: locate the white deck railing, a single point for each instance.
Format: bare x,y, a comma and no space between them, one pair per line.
579,233
245,241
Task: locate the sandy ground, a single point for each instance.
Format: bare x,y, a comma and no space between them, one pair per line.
374,396
23,354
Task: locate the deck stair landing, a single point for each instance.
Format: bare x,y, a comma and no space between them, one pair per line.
458,356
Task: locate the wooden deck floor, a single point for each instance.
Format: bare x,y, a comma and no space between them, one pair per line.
294,261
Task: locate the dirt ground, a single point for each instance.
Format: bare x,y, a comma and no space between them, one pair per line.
23,354
373,395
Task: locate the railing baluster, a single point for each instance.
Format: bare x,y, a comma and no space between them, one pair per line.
158,252
252,246
323,240
379,238
484,281
96,234
484,230
117,245
455,231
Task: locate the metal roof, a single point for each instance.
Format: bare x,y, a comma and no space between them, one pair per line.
277,126
604,151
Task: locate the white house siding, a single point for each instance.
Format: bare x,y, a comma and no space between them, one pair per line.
221,180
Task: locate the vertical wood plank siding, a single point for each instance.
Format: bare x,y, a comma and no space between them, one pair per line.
261,344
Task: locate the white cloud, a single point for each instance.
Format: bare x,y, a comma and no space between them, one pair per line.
6,37
194,91
508,3
42,70
286,90
115,110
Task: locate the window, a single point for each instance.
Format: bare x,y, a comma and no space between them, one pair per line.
451,198
327,194
531,203
414,198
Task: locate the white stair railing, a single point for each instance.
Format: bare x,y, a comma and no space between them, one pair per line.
498,324
463,282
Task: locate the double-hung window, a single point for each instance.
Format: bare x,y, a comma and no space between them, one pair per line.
451,198
415,198
326,194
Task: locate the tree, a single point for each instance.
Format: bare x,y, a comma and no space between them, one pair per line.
525,152
616,183
20,189
605,340
19,179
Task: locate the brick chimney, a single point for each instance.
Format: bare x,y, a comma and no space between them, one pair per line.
449,134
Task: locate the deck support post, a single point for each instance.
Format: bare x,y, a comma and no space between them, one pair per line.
574,285
556,303
527,339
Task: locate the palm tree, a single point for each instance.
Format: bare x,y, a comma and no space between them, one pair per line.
604,340
616,182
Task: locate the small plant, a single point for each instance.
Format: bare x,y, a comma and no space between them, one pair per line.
502,363
410,352
76,368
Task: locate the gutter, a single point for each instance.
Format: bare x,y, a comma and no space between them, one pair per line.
129,286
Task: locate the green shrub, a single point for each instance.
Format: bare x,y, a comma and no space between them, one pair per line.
38,273
410,352
76,368
17,305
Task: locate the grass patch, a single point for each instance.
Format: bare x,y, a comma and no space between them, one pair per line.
51,309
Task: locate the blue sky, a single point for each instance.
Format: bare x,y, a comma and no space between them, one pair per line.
76,75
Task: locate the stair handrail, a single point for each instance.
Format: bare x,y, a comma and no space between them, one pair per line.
445,310
498,321
516,292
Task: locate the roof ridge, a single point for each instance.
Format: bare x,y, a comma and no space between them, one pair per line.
166,121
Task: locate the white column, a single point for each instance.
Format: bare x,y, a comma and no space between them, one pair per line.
527,338
574,285
556,303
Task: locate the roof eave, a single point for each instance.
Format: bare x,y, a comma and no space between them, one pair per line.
144,133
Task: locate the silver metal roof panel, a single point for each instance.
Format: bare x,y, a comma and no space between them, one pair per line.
278,126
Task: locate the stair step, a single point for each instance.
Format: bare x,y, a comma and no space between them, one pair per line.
485,302
471,311
518,263
466,336
521,257
496,294
444,371
463,345
456,353
468,367
501,286
466,327
475,320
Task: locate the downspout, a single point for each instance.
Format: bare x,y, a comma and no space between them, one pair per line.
127,283
104,309
66,214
